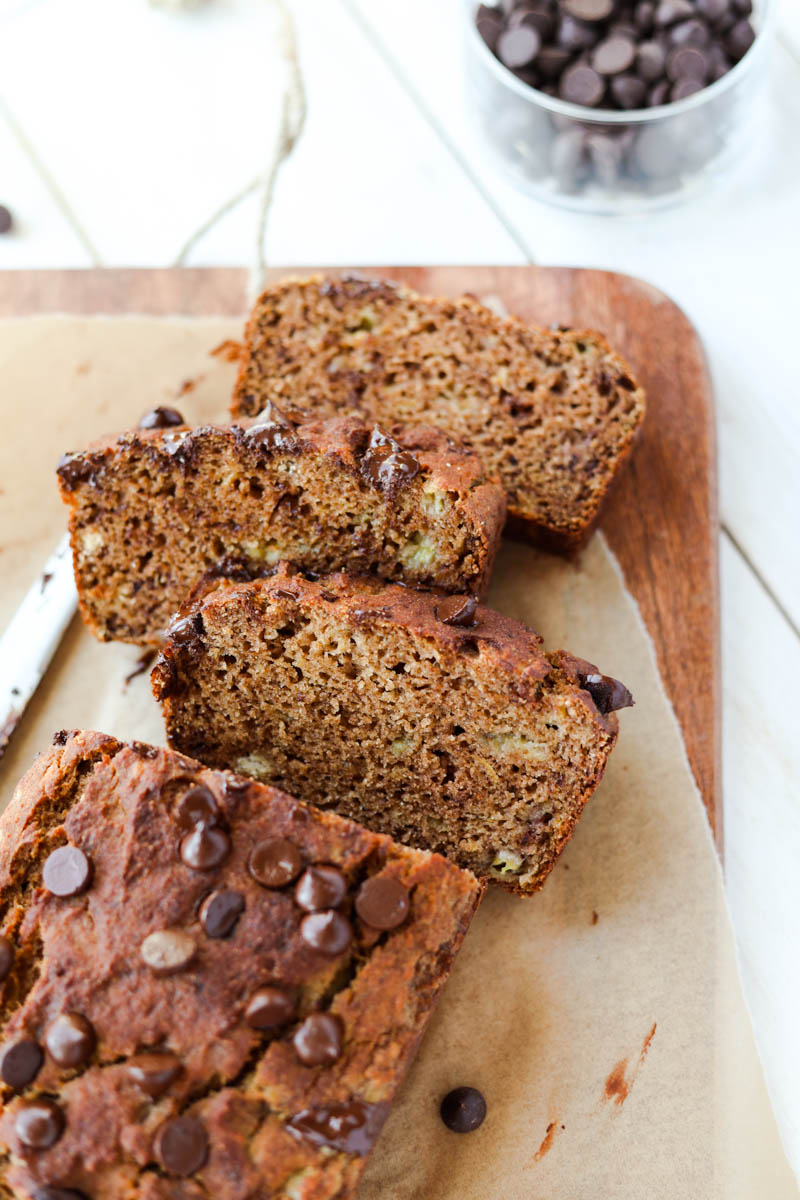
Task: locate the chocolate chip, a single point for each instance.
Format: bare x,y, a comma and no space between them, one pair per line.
67,872
516,47
463,1109
658,94
275,862
489,25
6,220
684,88
690,33
457,610
219,913
70,1040
168,950
318,1041
351,1128
6,957
197,807
668,12
205,848
21,1063
382,902
650,60
536,15
269,1007
582,85
272,430
39,1123
607,693
739,40
181,1145
643,15
385,463
154,1072
613,55
576,35
628,91
328,932
588,10
712,10
687,62
551,61
161,418
320,887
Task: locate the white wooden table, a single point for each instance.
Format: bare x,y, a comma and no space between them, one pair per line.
124,129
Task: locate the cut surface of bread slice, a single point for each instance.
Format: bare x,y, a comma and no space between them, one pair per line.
154,509
428,717
207,988
553,413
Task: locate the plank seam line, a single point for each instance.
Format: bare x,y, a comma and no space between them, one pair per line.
740,550
47,179
436,126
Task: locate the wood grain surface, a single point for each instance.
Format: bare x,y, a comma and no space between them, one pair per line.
661,520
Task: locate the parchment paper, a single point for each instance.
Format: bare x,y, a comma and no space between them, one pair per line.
603,1019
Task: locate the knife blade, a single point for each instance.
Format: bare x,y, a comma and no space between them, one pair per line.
33,636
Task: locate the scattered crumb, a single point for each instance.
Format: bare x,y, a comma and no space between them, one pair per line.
565,866
595,917
229,351
189,385
83,368
619,1082
551,1133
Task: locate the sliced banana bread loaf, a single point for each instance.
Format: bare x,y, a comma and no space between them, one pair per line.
553,413
154,509
428,717
207,989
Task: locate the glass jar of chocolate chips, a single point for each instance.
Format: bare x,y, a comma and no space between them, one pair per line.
614,106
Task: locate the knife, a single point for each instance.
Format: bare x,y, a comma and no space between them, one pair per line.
34,635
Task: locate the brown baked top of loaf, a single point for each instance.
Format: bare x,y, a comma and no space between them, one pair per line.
153,509
428,717
553,412
209,989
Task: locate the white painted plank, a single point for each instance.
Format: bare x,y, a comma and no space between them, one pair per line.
147,119
730,258
369,181
761,733
42,234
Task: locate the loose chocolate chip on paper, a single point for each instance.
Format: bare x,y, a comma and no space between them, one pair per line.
320,887
66,872
21,1062
463,1110
161,417
328,932
382,902
269,1007
154,1072
318,1041
168,951
220,911
181,1145
39,1124
275,862
70,1040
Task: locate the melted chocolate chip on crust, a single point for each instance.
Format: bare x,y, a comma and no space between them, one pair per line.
39,1123
74,469
197,807
457,610
205,848
161,418
328,932
382,902
154,1072
463,1109
6,957
181,1145
70,1040
269,1007
275,862
220,911
21,1063
608,693
385,464
59,1193
168,951
351,1128
318,1041
66,872
273,431
320,887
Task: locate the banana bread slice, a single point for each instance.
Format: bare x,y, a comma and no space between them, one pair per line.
427,717
154,509
553,413
207,989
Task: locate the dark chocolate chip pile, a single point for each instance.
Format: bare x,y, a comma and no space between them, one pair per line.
622,54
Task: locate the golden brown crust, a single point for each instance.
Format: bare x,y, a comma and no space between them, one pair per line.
553,412
119,804
323,711
152,510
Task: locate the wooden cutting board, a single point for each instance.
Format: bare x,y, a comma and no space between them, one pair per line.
661,521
